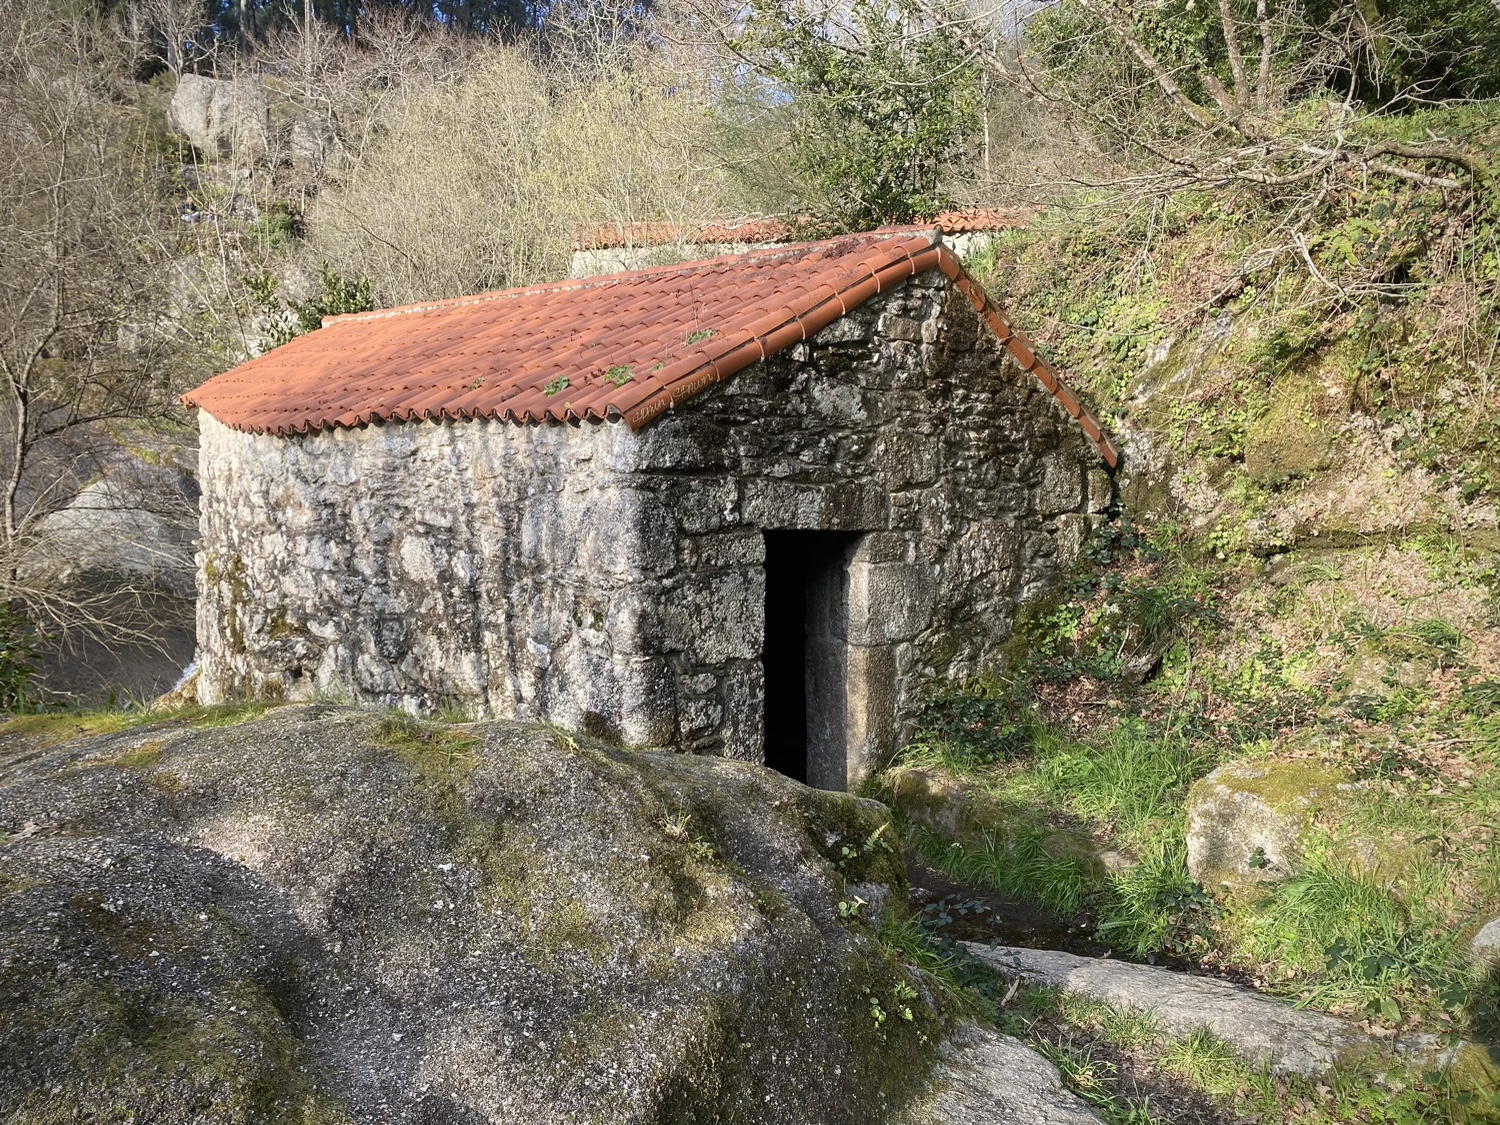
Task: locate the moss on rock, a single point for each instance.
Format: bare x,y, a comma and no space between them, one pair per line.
339,915
1250,822
1295,437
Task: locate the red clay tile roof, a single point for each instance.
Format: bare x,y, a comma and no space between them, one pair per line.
628,345
729,232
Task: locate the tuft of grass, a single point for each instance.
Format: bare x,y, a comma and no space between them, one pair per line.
1017,866
902,936
1156,906
1096,1080
137,757
1344,940
433,749
1131,779
1206,1061
1122,1027
47,727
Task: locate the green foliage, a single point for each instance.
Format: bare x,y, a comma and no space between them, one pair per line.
1433,49
1447,48
288,319
880,114
1017,865
17,659
1116,619
1157,907
1343,937
985,721
276,227
556,386
905,937
616,376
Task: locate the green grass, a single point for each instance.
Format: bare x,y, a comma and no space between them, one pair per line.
49,727
1130,782
1341,939
1083,1037
1017,866
1125,789
436,750
1377,944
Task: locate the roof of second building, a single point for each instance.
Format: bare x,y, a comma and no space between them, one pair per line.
628,345
770,229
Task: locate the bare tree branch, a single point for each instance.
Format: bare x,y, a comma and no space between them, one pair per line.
1267,53
1236,60
1112,16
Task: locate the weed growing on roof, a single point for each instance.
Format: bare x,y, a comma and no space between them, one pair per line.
618,375
555,386
700,335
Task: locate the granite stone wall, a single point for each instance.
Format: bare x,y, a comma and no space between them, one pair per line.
613,582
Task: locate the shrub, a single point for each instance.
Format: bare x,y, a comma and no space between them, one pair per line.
17,653
985,721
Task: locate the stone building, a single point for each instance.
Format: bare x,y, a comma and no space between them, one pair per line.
752,506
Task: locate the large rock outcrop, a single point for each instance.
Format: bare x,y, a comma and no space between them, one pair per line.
221,117
323,915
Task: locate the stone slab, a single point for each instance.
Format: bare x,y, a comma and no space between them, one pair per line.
1261,1028
985,1078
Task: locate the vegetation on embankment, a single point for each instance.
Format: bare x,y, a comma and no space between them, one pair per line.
1301,576
1072,786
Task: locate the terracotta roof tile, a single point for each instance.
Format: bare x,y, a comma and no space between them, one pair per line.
626,345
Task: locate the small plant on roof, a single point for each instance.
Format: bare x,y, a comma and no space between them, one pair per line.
618,375
700,335
558,384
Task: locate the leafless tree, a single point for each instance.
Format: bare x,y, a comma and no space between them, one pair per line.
78,223
480,180
176,32
1239,135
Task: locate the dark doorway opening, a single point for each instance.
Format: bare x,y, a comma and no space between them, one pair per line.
803,658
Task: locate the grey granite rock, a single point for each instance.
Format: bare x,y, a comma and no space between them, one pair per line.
221,116
1486,943
1263,1029
985,1078
327,915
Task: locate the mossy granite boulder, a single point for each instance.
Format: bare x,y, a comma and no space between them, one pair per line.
323,915
1247,821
